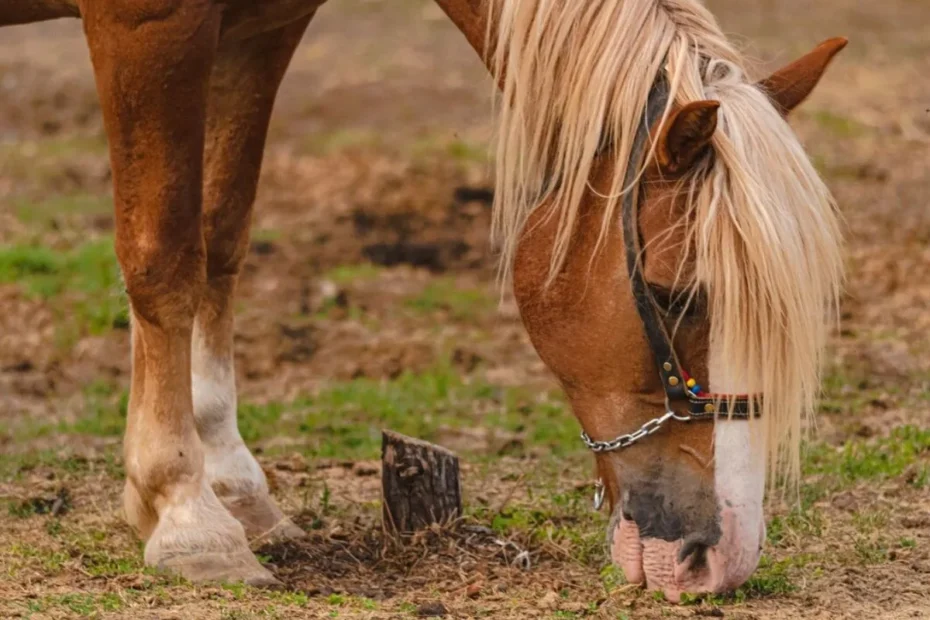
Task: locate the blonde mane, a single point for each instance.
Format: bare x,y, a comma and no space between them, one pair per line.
762,225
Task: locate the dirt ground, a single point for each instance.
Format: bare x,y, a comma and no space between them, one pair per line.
368,301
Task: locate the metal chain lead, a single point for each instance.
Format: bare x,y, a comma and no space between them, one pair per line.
625,441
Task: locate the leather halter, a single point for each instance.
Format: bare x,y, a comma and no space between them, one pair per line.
681,392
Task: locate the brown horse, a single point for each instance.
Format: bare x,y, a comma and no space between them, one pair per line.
741,260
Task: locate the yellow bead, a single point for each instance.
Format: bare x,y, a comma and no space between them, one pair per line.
691,383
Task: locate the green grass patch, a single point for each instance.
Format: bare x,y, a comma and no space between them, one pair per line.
332,142
23,555
455,149
259,421
345,419
347,274
58,147
445,295
85,605
848,392
83,285
859,460
560,519
870,521
105,408
772,577
870,551
839,126
801,522
47,211
103,415
612,577
60,464
41,164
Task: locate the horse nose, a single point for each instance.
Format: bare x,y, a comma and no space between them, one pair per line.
713,556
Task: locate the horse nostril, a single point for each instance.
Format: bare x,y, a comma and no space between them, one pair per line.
695,547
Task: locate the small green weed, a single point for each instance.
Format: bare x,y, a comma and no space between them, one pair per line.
870,551
347,274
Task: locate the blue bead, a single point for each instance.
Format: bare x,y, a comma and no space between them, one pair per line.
696,389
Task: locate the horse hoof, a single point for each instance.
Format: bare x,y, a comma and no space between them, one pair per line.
200,541
284,531
263,521
240,566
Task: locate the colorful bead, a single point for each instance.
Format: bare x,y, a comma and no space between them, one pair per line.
696,389
691,383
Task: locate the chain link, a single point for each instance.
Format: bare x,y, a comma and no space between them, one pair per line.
625,441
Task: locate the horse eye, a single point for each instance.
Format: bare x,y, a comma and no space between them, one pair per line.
680,303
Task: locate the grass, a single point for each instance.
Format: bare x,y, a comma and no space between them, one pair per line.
103,415
40,163
839,126
60,464
560,521
345,419
348,274
46,212
773,577
339,140
86,605
848,392
83,284
454,149
802,522
878,459
461,304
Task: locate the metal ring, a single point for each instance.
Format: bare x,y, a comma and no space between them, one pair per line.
599,494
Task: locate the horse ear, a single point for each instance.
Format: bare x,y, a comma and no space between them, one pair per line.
791,85
684,135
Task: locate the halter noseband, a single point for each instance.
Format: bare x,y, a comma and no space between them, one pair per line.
678,385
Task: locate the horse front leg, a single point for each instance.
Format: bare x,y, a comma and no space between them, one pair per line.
244,83
152,65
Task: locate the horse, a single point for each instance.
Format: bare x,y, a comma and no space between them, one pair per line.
655,214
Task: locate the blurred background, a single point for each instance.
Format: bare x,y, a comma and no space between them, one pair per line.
368,301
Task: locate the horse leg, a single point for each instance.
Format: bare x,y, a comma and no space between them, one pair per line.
152,64
243,85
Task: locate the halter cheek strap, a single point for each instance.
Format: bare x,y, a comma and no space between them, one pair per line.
680,388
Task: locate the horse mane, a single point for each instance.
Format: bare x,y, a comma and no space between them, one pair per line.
761,224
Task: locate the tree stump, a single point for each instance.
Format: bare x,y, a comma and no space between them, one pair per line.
419,483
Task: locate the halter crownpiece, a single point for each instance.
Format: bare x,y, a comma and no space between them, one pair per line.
679,386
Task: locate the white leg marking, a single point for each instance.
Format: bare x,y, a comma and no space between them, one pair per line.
227,461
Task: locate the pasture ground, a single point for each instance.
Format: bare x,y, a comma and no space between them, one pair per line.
368,301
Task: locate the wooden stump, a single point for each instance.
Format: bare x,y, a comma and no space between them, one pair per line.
419,483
